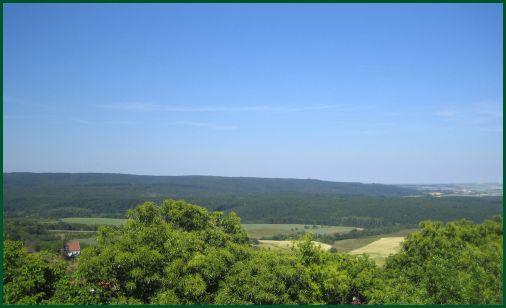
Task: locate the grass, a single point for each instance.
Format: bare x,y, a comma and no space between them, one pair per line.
379,250
356,243
95,221
287,245
256,231
378,247
84,241
264,230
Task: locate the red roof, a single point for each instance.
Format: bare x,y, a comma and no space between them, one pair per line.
73,246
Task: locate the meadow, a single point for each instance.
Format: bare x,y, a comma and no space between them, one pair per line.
381,249
378,247
288,245
356,243
94,221
257,231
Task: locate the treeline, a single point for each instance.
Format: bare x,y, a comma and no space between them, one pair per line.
217,184
36,234
177,253
363,211
331,238
256,206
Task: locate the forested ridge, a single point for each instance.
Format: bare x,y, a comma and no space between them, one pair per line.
205,183
179,253
256,200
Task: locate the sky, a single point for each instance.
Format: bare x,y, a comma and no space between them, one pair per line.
373,93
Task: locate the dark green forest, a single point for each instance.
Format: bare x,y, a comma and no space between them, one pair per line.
255,200
178,253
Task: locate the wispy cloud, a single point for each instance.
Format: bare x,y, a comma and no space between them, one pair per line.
254,108
110,122
376,128
205,125
446,113
22,102
181,123
80,121
486,115
120,122
21,117
373,132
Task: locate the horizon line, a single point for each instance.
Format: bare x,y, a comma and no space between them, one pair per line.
259,177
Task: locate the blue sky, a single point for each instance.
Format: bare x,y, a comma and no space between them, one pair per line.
388,93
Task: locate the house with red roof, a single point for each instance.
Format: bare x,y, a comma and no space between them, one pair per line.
72,249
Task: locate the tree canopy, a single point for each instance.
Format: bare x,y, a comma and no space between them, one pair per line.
179,253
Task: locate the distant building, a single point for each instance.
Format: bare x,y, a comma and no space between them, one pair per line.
72,249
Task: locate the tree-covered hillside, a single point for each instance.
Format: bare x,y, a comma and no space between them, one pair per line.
214,184
255,200
178,253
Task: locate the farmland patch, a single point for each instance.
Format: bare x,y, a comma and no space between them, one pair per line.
380,249
266,230
287,245
94,221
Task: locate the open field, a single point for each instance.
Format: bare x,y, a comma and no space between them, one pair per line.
94,221
384,246
260,230
287,245
378,247
356,243
380,250
85,241
254,230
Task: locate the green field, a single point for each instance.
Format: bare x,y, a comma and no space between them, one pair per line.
254,230
378,247
356,243
379,250
84,241
287,245
264,230
94,221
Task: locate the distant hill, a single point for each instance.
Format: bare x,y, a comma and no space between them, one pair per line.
255,200
210,183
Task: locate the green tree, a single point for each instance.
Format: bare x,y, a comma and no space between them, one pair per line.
172,253
460,263
29,278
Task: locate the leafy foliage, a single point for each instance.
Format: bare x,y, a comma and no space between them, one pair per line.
179,253
173,253
29,278
460,263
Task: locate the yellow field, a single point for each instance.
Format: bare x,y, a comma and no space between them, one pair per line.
379,250
286,245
